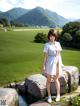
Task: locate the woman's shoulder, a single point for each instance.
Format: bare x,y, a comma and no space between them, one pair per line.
57,42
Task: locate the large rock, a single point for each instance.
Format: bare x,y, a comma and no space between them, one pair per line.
68,81
8,97
63,84
65,100
36,84
73,77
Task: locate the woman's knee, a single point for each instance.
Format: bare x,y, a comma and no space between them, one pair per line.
48,78
48,81
55,78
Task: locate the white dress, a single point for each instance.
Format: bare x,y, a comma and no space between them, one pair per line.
54,57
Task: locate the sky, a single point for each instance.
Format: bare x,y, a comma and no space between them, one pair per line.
67,8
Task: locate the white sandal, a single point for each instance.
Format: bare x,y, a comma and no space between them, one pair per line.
49,99
58,98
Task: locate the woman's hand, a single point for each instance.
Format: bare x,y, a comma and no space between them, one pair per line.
43,68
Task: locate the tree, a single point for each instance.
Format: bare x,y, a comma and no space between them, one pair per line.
71,33
5,22
67,37
78,38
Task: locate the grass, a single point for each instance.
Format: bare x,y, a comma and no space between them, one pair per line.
21,57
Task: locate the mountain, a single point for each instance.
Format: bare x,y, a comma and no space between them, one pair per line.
34,17
57,19
42,17
13,13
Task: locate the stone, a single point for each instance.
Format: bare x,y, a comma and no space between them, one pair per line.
21,87
79,79
36,85
41,103
13,85
64,101
69,80
63,84
8,97
73,77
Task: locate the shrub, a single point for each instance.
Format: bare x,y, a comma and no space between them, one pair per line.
67,37
40,38
75,101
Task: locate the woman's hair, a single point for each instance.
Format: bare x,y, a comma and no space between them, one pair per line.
52,33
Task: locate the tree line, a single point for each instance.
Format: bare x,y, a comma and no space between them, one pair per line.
6,23
69,36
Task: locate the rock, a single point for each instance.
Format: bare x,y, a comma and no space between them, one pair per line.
21,86
68,82
36,85
13,85
73,77
8,97
64,101
63,84
41,103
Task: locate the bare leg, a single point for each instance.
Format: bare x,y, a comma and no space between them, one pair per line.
48,84
48,88
56,80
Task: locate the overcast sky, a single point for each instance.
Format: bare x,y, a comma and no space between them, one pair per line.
66,8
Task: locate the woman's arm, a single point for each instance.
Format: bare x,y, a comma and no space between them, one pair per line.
44,61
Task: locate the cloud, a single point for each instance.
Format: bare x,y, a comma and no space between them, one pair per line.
66,8
4,5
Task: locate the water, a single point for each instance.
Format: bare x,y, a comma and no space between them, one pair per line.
26,99
22,101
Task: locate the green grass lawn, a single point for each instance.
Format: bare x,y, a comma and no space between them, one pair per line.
21,57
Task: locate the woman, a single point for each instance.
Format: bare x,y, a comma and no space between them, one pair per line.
52,64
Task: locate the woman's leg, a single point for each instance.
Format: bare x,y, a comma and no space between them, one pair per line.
48,84
56,80
48,88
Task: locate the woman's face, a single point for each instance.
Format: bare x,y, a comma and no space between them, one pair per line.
52,38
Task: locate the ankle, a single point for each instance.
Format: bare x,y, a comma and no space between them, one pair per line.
58,94
49,96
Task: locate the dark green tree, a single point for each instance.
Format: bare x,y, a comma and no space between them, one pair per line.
5,22
71,33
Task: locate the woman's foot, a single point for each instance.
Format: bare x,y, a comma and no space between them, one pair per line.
58,98
49,99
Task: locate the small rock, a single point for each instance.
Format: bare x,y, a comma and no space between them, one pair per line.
41,103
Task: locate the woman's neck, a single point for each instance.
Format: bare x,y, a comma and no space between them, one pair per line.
52,42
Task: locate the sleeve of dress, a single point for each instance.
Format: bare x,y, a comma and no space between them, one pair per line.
45,48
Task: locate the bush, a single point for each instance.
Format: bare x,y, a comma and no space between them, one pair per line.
67,37
75,101
40,38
